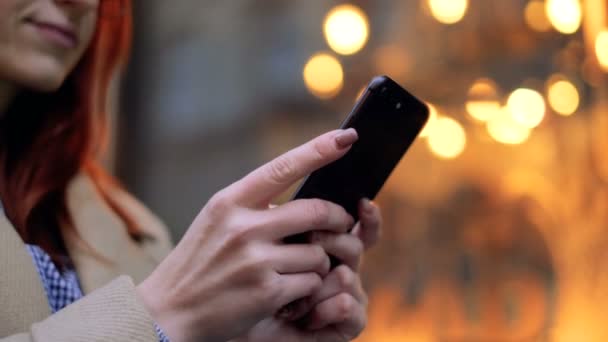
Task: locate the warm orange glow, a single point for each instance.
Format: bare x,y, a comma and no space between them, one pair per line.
346,29
536,16
527,107
388,321
392,60
323,76
433,116
504,129
483,103
601,49
563,96
565,15
447,139
448,11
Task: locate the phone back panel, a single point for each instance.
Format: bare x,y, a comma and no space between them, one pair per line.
388,119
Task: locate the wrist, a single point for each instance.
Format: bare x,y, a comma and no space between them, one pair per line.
159,309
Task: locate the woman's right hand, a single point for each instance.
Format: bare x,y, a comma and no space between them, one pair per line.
231,269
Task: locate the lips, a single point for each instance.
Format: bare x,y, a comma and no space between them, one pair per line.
60,34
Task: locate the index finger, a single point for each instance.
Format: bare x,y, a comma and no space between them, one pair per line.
259,187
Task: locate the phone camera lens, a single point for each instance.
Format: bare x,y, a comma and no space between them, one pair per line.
398,105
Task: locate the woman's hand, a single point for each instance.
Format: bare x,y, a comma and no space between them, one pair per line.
231,269
337,311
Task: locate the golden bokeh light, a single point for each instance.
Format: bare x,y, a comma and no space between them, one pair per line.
563,96
447,139
433,116
483,102
346,29
601,49
536,16
527,107
392,59
323,75
504,129
565,15
448,11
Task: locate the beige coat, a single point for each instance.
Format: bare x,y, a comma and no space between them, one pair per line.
110,310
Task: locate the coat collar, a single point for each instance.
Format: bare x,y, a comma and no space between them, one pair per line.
21,294
102,252
102,249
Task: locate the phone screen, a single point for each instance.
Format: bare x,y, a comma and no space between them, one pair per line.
388,119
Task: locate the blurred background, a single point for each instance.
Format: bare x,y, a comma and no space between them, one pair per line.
496,218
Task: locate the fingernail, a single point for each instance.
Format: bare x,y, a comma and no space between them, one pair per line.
346,138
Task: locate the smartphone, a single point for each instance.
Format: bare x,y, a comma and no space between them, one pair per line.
388,119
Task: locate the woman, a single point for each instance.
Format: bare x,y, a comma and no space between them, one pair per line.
229,278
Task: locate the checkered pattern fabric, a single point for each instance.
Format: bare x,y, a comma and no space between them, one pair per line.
63,288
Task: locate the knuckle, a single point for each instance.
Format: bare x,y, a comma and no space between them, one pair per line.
218,206
259,261
319,253
346,277
240,234
314,282
321,258
317,281
319,213
358,247
247,229
323,262
281,170
345,306
271,290
321,150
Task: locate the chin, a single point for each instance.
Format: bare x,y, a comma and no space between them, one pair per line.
41,75
44,83
44,80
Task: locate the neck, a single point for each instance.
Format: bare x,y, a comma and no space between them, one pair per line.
8,92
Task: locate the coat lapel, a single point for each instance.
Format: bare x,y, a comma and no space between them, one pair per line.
103,249
22,297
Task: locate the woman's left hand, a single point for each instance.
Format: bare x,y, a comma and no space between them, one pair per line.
338,311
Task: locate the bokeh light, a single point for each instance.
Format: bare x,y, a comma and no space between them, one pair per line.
601,49
448,11
323,75
483,102
447,139
392,59
565,15
433,116
504,129
536,16
527,107
563,96
346,29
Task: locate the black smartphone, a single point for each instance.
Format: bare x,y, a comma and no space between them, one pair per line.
388,119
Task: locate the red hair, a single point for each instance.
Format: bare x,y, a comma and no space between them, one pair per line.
46,139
